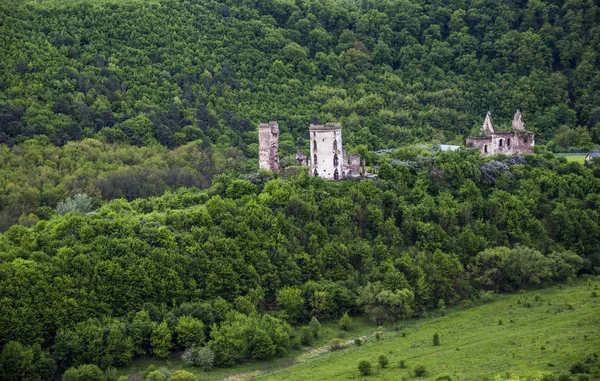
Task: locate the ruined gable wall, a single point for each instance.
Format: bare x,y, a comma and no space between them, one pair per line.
268,146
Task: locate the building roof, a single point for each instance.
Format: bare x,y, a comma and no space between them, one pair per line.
448,147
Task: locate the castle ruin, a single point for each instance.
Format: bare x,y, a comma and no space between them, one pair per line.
268,144
327,159
508,143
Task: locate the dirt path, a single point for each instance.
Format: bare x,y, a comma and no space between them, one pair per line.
309,353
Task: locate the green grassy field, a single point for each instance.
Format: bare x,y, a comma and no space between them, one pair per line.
576,159
502,338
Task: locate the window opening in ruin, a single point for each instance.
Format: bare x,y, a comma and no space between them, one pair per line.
315,159
525,139
335,160
335,145
316,173
336,175
508,142
485,148
315,144
500,143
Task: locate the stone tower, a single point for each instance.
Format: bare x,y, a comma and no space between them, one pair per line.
517,123
268,143
326,155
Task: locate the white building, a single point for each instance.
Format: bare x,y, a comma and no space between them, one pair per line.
268,144
326,155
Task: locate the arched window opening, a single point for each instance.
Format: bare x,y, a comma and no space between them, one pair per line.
500,143
335,160
485,148
336,174
316,173
508,142
525,139
335,145
315,144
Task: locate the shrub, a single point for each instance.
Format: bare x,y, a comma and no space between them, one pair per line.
306,335
202,357
436,339
420,370
377,335
365,368
182,375
123,378
583,377
382,360
112,374
86,372
564,377
155,375
335,344
345,321
444,378
402,364
548,377
315,326
358,342
579,367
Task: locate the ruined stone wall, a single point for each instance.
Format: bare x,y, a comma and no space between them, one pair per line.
351,165
268,145
326,156
504,143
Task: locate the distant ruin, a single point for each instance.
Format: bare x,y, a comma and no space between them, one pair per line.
268,144
327,159
508,143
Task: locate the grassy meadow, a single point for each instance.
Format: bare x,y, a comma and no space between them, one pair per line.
518,335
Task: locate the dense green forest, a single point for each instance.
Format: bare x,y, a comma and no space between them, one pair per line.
390,71
134,223
194,268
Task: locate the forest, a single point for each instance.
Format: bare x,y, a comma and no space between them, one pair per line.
170,72
134,223
234,268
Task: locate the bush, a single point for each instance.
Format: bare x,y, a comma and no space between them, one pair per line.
436,339
444,378
382,360
112,374
182,375
335,344
579,367
402,364
583,377
564,377
86,372
155,375
315,326
358,342
365,368
81,203
202,357
345,322
420,370
306,335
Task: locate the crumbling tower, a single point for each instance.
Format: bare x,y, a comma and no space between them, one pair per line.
326,155
268,144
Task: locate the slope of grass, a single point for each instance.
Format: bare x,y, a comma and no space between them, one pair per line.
576,159
502,338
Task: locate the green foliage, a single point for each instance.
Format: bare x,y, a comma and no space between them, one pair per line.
382,360
436,339
86,372
190,331
365,367
290,303
336,344
182,375
202,357
420,370
80,203
18,362
160,341
315,326
155,375
345,322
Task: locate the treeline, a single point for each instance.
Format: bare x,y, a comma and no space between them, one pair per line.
36,175
389,71
194,267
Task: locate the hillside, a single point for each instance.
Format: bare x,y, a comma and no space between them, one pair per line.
512,337
391,72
